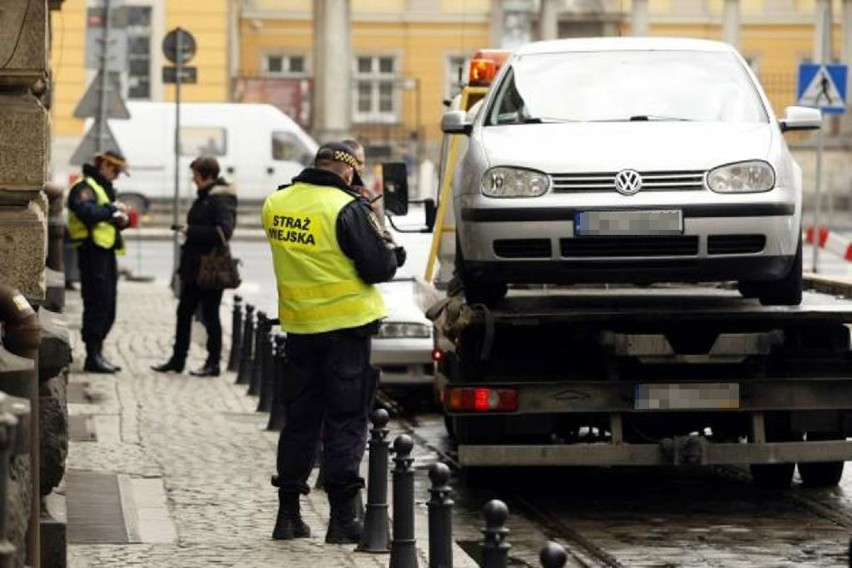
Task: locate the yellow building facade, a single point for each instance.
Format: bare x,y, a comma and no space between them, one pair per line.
406,53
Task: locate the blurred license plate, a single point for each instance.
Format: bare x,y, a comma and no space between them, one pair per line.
697,396
627,223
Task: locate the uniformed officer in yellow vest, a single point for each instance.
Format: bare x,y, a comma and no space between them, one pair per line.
95,222
328,250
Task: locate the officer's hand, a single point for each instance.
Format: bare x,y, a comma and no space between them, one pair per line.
399,252
121,206
121,220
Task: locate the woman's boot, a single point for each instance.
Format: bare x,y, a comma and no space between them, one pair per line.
173,364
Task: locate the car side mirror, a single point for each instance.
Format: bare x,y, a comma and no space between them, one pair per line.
395,187
455,122
801,118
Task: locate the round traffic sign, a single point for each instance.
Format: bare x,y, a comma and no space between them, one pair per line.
187,45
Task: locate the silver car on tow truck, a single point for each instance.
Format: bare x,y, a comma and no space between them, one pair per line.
636,160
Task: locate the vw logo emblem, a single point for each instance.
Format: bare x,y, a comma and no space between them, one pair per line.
628,182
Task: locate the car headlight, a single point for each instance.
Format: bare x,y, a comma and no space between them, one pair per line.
514,182
743,177
403,329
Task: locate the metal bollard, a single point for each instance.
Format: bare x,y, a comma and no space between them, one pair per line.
376,534
495,549
440,518
244,374
260,332
267,370
236,334
403,550
276,413
553,556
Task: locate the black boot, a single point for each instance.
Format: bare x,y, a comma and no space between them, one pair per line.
115,367
173,364
344,526
210,369
289,523
96,364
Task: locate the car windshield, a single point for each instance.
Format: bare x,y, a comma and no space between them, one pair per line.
615,86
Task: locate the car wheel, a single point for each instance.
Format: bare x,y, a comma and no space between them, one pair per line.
788,290
477,290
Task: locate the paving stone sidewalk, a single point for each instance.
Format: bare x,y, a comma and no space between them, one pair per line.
191,456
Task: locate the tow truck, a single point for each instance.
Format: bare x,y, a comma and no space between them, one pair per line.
657,375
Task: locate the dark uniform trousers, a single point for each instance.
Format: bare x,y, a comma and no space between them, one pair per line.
328,385
98,284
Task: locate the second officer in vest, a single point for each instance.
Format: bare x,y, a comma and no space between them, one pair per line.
95,222
328,251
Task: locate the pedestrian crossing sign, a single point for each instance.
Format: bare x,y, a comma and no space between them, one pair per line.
822,87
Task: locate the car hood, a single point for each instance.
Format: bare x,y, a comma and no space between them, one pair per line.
401,302
613,146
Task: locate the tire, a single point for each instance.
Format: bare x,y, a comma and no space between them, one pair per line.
821,474
476,289
772,475
788,290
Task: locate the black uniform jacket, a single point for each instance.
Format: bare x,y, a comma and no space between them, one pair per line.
215,206
358,233
84,203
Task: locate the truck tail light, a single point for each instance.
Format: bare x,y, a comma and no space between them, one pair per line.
483,399
437,355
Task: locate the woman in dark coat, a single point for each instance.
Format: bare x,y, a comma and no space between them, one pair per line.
209,223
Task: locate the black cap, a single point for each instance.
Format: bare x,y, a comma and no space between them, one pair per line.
338,152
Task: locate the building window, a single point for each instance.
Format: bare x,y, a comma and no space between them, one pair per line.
138,52
280,65
376,97
455,75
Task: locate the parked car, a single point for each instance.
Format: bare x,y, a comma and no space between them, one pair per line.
635,160
403,348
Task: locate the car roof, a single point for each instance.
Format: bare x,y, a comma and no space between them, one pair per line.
623,44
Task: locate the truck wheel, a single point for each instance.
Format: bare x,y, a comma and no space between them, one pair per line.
788,290
772,475
821,474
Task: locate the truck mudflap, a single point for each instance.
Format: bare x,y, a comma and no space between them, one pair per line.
685,450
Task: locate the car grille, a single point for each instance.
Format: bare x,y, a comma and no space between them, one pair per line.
651,181
735,244
629,246
522,248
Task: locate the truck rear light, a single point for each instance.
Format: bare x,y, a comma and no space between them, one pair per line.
437,355
483,399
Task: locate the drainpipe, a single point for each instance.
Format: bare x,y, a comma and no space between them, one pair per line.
21,336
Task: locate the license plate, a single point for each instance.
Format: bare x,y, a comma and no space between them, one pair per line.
692,396
628,223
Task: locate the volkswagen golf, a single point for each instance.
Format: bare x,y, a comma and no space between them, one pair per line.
629,160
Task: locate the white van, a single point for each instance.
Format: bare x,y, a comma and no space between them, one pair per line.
258,147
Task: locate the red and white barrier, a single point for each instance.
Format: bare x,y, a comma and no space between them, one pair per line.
829,241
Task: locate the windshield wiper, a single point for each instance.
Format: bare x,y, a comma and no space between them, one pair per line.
545,119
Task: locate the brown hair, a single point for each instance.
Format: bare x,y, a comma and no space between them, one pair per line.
205,166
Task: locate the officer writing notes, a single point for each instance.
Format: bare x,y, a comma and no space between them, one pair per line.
328,251
95,222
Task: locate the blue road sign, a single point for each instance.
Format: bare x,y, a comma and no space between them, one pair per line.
822,87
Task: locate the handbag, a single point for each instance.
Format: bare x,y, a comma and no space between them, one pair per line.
217,269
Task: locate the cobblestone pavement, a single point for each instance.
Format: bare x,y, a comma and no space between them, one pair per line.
202,439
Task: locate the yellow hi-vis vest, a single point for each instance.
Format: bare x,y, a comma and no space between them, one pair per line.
318,287
103,233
